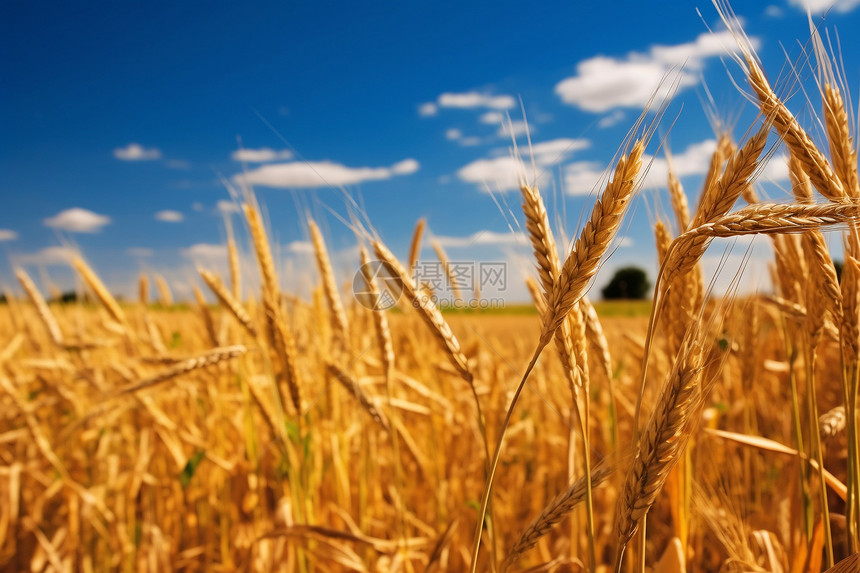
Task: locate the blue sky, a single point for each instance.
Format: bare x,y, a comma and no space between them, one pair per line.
120,122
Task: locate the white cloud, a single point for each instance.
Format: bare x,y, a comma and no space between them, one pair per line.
140,252
515,128
610,119
77,220
694,160
582,177
492,118
206,253
474,100
297,247
321,174
178,164
482,238
470,141
505,173
262,155
136,152
453,134
602,83
498,173
405,167
555,151
225,206
776,169
427,109
169,216
773,11
197,206
47,256
8,235
821,6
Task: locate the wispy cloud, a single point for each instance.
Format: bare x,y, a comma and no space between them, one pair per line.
78,220
206,253
821,6
8,235
225,206
300,247
610,119
136,152
299,174
262,155
180,164
475,100
140,252
47,256
505,173
602,83
169,216
428,109
467,100
482,238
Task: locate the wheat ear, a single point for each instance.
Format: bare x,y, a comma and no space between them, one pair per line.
415,247
428,311
797,140
832,422
762,218
332,296
165,297
364,400
226,298
556,510
582,262
206,314
280,335
842,150
380,320
143,290
446,266
578,270
662,443
42,308
208,359
99,289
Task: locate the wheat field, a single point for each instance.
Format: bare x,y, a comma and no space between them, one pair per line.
265,432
